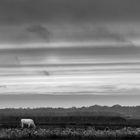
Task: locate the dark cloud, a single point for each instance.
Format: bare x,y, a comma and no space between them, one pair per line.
40,31
104,33
65,20
19,11
45,73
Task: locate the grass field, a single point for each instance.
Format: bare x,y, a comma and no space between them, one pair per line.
62,121
67,125
70,127
69,133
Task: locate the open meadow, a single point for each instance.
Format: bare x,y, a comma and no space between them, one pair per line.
67,124
70,133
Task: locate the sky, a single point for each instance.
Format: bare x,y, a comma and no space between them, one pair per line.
61,53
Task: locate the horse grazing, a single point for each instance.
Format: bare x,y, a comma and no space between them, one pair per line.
28,122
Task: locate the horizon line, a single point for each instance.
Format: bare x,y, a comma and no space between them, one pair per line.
2,108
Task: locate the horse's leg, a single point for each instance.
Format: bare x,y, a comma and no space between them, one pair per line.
34,125
22,125
28,125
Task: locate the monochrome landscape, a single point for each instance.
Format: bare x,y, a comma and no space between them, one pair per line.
70,69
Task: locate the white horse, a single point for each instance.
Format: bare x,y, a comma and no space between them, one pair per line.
28,122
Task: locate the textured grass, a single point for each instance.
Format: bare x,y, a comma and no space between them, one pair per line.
89,133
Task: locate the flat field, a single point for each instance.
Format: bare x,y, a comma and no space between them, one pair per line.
70,133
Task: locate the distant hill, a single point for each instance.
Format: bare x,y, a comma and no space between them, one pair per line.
96,110
128,111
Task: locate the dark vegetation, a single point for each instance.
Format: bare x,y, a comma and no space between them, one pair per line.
63,121
98,116
95,110
78,117
70,133
95,122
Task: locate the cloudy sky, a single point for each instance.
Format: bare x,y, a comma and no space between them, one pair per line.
62,53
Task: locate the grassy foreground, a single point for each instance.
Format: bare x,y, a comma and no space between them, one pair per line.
90,132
